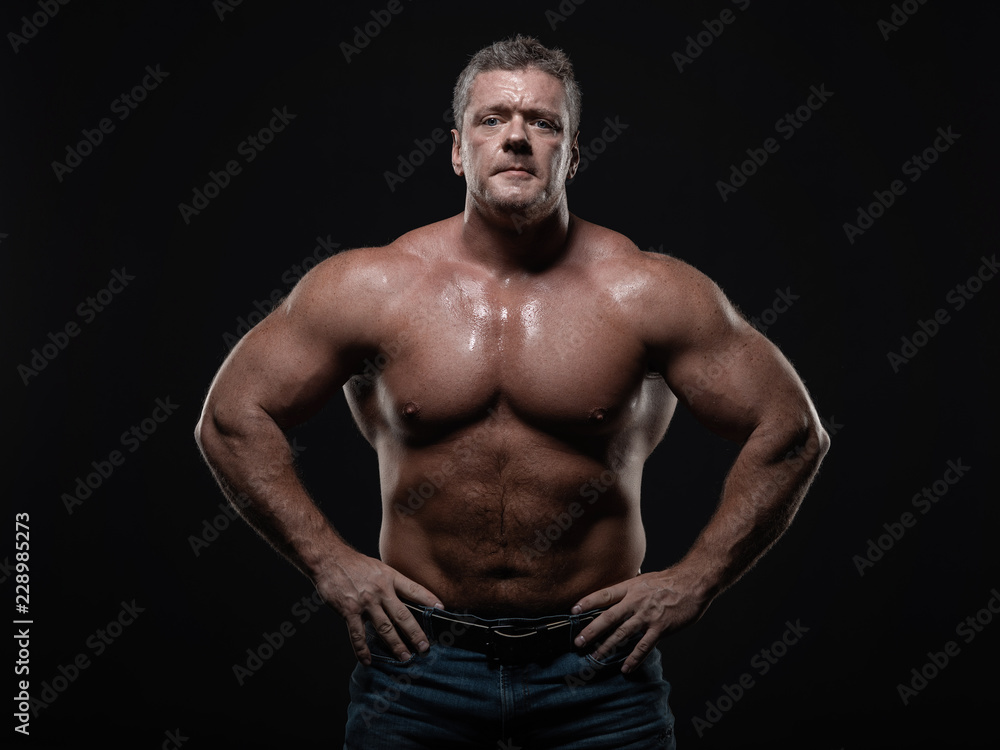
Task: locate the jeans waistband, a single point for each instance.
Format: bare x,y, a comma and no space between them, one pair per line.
510,640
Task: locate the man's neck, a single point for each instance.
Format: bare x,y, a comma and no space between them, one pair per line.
511,243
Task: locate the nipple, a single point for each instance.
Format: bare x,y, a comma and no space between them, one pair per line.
597,415
410,409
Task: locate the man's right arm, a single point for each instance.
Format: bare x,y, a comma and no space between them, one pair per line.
277,376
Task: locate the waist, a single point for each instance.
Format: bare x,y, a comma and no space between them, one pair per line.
545,573
509,640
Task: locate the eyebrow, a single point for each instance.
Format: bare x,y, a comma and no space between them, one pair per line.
530,112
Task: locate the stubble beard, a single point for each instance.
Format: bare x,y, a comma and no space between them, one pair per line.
522,206
525,206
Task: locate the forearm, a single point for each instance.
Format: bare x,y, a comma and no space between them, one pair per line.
253,463
762,492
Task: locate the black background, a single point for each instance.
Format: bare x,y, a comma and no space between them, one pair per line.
165,334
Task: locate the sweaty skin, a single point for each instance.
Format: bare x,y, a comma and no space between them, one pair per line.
512,366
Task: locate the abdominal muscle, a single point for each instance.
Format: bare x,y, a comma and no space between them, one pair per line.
510,533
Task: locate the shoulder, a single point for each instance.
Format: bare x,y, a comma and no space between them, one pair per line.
684,308
370,277
651,279
670,304
678,287
600,244
606,247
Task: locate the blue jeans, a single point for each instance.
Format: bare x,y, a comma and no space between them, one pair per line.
450,697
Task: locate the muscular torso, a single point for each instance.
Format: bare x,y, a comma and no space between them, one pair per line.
512,415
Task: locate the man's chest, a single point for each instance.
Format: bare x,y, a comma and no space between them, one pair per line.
562,357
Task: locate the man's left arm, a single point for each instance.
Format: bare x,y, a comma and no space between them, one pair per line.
741,387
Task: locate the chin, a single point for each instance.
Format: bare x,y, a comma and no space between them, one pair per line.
516,203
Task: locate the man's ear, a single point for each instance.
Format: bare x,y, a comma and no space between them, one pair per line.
456,152
574,159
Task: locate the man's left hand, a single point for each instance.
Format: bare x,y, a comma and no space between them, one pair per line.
657,603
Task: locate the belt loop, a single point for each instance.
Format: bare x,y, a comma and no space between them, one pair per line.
428,624
492,647
574,628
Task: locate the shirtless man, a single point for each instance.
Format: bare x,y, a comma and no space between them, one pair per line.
513,366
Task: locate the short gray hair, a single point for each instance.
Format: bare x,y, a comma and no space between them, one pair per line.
519,53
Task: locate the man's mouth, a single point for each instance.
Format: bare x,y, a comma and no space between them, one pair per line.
515,170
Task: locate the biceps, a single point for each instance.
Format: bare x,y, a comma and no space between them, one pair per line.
284,369
735,382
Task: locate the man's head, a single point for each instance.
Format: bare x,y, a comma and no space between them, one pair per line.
519,53
517,112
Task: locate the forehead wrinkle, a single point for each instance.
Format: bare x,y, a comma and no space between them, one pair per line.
513,91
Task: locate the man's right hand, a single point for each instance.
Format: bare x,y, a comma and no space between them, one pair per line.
362,588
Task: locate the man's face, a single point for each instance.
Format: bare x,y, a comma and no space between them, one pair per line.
515,150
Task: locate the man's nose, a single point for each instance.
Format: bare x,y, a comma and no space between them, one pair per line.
516,139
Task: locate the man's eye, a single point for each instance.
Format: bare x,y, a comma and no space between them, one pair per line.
543,124
490,121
